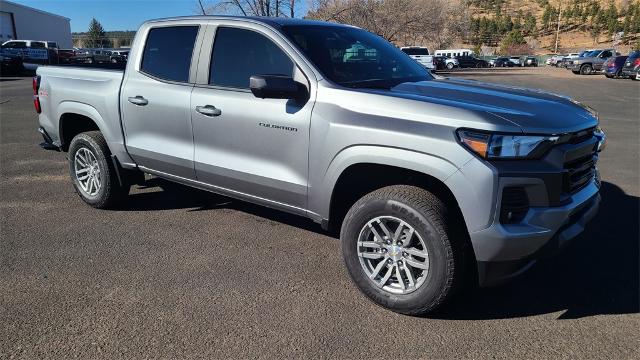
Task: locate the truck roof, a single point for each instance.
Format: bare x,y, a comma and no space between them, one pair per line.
276,22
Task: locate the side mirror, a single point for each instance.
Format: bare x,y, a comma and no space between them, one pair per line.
275,87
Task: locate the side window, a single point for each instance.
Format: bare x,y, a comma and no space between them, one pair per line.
239,53
606,54
37,44
167,53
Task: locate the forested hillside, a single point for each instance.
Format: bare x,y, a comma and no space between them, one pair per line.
531,26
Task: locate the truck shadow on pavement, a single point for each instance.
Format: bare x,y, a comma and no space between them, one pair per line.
176,196
597,274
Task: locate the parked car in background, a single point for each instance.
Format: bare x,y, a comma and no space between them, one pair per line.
567,59
119,55
554,60
591,62
472,62
451,63
10,64
530,61
32,52
504,62
612,68
66,56
631,66
435,185
99,56
515,60
419,54
438,62
492,62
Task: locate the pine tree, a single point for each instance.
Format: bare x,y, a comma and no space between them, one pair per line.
95,33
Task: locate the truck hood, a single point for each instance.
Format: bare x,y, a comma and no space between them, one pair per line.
534,111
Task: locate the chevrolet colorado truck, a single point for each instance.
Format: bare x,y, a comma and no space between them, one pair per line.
430,182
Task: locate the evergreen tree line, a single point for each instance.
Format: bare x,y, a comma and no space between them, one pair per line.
583,15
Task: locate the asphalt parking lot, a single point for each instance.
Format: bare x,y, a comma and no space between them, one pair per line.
180,273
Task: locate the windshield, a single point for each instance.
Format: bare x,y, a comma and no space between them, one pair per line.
353,57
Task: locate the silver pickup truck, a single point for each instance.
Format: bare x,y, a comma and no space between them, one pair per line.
430,182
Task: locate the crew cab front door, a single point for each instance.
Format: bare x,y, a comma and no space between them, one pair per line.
155,100
245,146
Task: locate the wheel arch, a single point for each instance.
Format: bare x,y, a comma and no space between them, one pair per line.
361,169
76,118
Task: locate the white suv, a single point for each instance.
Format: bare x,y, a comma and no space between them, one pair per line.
419,54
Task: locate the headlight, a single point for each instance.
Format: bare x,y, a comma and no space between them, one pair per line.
505,146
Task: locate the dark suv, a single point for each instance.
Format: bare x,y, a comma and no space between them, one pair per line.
471,62
631,67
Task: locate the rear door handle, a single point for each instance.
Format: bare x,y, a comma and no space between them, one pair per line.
138,100
209,110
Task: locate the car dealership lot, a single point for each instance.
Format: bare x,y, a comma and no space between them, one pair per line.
183,273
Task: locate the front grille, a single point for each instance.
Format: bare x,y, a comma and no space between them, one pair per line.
580,172
515,204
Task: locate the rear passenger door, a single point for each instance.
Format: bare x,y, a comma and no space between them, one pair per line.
156,98
251,148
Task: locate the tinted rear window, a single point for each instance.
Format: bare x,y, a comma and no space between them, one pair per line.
416,51
167,53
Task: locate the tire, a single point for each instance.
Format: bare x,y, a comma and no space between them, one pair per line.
426,214
586,69
90,156
450,66
575,72
90,61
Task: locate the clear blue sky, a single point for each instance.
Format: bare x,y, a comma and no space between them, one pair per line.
115,14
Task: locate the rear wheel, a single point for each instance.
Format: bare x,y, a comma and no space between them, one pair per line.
92,171
397,248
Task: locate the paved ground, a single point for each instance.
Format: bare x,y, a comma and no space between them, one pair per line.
181,273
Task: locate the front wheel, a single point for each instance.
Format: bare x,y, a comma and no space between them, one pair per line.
397,249
92,171
450,66
586,69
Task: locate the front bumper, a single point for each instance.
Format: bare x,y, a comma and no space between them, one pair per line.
515,209
630,72
504,251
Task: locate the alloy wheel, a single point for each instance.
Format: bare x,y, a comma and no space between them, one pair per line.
87,171
393,255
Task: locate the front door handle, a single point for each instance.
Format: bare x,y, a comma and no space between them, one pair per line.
138,100
209,110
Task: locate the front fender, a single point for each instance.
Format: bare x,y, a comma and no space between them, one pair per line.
319,196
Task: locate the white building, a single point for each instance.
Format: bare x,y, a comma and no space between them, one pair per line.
19,22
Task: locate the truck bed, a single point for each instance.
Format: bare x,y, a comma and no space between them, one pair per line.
87,91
